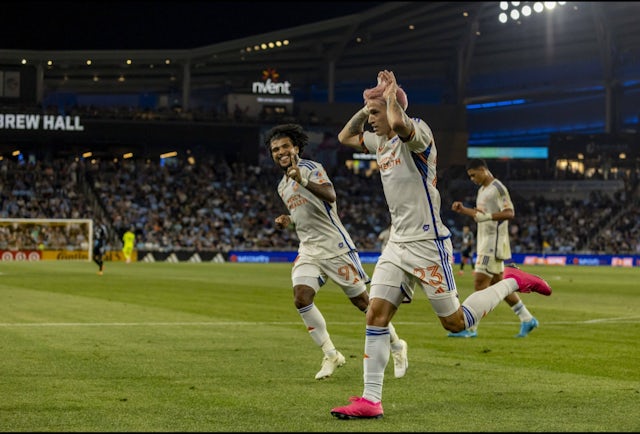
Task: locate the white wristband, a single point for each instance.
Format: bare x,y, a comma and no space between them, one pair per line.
482,216
304,182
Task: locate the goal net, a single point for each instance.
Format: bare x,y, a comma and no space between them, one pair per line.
46,239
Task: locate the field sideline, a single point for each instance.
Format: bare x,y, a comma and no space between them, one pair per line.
208,347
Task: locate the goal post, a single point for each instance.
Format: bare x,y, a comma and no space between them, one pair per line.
24,239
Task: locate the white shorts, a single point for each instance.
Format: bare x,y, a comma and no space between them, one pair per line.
345,270
488,265
428,263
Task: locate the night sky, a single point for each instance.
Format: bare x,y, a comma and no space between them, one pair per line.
112,25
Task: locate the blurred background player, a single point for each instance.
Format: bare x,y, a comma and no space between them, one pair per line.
99,244
492,213
326,250
128,242
466,253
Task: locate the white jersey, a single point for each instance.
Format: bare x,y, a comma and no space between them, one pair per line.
408,173
493,236
320,231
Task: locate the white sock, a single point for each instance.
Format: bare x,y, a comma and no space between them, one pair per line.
376,357
317,328
480,303
521,310
395,339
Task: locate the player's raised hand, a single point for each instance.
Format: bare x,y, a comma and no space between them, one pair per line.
293,171
391,84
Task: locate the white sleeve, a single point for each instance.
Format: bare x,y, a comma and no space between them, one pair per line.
422,136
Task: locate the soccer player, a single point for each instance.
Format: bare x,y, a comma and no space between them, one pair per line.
326,250
466,253
492,213
419,250
99,244
128,240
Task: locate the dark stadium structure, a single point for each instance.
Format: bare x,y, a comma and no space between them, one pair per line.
570,73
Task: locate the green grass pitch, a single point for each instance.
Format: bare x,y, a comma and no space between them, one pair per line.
174,347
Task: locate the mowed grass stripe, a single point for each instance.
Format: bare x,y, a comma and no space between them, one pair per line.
630,320
220,347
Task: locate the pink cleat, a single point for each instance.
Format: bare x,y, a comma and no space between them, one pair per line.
360,408
527,282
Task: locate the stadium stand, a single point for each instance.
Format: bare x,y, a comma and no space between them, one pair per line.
477,91
214,205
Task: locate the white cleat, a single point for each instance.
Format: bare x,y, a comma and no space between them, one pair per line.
329,364
400,360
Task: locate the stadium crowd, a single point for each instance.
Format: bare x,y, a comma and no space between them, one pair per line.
217,205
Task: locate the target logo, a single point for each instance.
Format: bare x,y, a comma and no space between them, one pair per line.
20,255
34,256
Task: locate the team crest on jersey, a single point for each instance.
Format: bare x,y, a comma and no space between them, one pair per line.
426,228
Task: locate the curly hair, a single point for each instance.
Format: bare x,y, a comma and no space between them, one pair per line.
376,93
294,131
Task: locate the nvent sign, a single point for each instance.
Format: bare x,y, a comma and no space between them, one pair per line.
270,84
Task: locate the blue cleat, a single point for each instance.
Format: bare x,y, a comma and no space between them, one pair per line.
526,327
464,334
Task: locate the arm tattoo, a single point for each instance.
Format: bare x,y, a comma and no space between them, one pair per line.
356,124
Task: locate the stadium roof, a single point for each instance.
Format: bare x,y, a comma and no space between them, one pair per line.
459,46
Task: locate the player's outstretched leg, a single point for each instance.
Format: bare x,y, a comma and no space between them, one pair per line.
527,282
